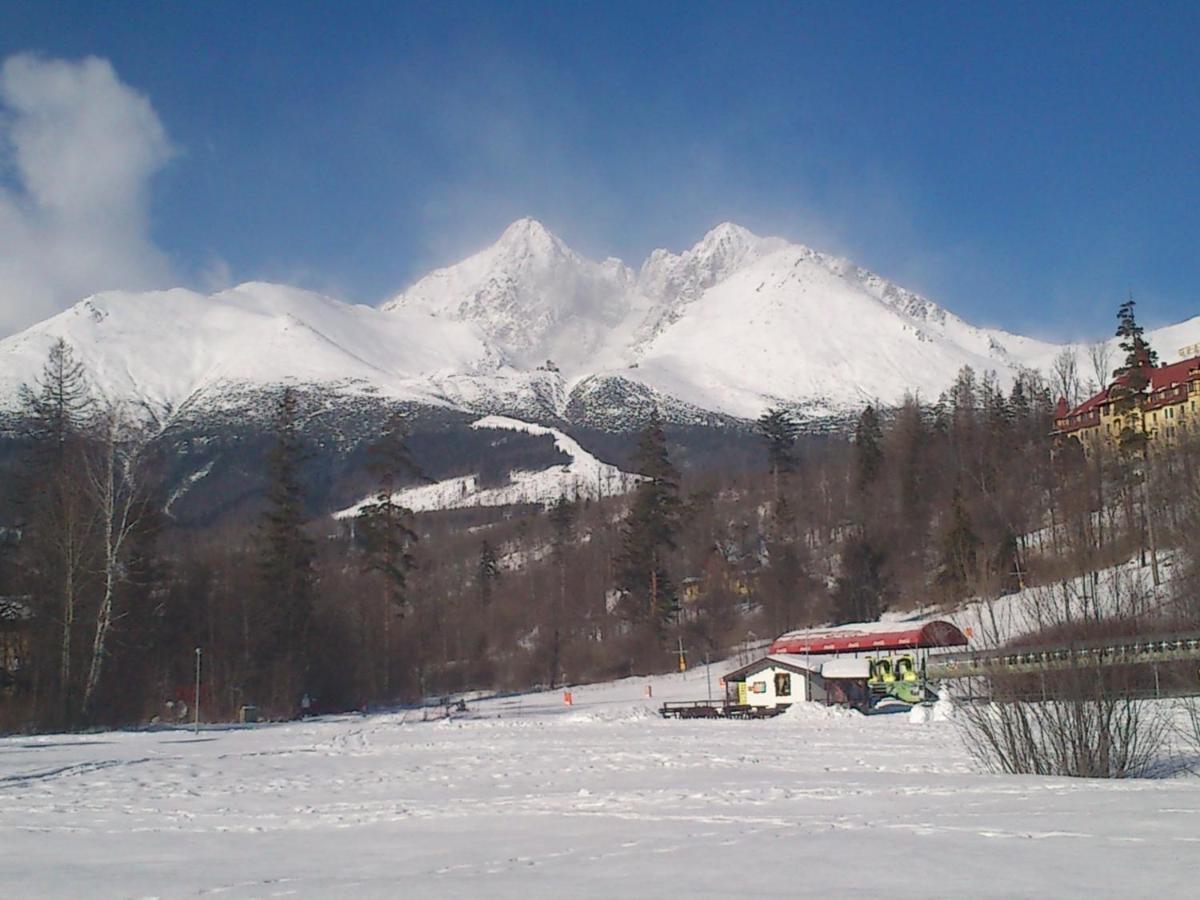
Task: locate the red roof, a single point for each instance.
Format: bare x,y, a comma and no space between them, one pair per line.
1091,403
1161,378
870,636
1175,373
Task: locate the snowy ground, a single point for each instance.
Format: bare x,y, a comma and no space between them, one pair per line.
527,798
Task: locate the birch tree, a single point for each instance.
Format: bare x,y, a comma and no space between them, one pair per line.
114,480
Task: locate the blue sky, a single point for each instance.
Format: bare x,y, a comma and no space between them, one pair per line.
1025,165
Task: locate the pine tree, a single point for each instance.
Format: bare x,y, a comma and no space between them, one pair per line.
385,531
913,442
1138,352
487,573
562,515
286,553
649,533
1019,403
1006,564
787,585
862,591
59,405
996,420
562,523
963,401
868,449
960,547
1139,359
780,432
60,523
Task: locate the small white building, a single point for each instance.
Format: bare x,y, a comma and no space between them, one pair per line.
775,682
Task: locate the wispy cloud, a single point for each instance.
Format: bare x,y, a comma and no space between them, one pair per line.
78,149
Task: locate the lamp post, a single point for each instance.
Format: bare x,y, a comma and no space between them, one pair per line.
196,705
708,676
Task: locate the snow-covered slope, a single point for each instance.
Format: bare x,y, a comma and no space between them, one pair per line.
793,325
584,477
165,349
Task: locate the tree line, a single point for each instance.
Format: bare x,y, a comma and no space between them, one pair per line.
923,504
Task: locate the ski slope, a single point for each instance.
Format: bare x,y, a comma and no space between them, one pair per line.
524,797
584,477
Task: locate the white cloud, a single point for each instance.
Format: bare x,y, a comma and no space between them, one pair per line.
77,151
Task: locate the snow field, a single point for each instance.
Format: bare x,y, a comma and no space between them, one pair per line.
527,797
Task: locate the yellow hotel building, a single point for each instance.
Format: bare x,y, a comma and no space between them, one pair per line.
1168,410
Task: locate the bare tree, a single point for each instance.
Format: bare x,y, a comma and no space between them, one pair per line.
1188,729
114,481
1091,734
1076,718
1100,355
1065,375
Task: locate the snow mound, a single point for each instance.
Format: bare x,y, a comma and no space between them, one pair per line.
815,712
940,711
639,712
943,709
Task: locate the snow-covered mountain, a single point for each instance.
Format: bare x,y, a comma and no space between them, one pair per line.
726,328
730,326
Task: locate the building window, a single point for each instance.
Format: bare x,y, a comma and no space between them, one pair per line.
783,684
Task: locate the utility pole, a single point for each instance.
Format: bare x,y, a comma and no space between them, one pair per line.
196,707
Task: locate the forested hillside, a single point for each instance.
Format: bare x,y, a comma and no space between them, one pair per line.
922,506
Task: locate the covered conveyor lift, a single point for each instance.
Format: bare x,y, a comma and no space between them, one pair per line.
1128,651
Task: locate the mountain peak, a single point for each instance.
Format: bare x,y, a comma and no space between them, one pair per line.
722,251
532,296
729,231
528,233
